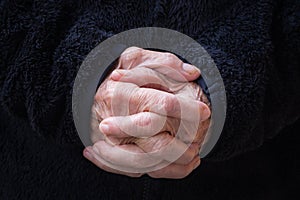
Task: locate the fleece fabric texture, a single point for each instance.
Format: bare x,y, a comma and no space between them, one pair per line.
255,45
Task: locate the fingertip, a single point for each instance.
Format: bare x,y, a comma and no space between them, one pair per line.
207,112
110,126
116,74
204,111
192,71
87,153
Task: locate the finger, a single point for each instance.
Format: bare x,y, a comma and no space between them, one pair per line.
165,63
160,102
112,99
121,129
176,171
99,162
126,129
127,98
169,104
127,157
145,77
169,148
143,124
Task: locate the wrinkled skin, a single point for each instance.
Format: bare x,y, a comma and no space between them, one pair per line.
148,104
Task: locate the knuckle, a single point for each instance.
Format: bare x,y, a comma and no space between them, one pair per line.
130,49
98,96
137,100
142,120
134,103
102,101
130,53
170,58
170,103
104,91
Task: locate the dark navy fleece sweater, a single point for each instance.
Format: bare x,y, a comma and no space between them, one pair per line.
255,45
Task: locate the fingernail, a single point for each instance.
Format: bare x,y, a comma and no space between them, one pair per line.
190,68
104,128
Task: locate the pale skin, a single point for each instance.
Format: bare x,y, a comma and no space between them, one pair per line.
138,109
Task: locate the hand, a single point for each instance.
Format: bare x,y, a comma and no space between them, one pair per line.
103,152
180,109
165,63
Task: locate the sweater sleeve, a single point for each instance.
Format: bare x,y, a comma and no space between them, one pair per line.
255,48
259,65
42,44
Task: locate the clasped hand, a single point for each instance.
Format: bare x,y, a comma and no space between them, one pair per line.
148,117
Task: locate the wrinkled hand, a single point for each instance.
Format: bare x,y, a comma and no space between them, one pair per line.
142,111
